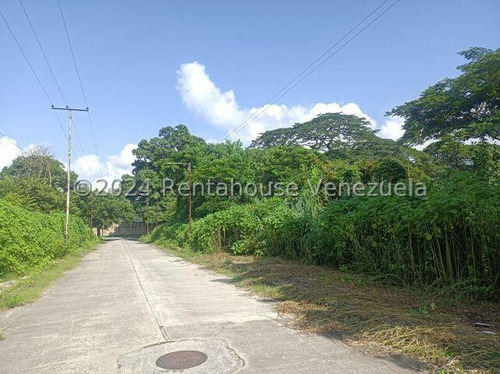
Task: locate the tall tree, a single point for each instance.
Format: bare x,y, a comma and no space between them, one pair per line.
338,135
169,144
465,107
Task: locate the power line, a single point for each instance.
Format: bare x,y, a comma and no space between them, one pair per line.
72,53
12,141
93,139
79,80
22,150
257,113
31,68
60,124
303,75
83,151
43,52
54,78
26,58
36,75
68,180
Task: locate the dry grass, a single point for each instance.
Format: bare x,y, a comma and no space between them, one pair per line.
383,319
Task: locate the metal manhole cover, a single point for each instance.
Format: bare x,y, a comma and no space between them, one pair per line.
181,360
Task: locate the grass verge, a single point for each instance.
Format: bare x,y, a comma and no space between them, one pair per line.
383,319
27,289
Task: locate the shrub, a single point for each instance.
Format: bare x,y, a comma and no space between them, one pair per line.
171,233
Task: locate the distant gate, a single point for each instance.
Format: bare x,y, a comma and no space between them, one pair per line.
125,229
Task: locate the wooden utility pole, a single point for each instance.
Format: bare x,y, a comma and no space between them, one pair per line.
190,198
68,182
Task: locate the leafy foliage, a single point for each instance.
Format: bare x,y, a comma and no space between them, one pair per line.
107,209
468,105
33,193
337,135
38,163
449,239
32,240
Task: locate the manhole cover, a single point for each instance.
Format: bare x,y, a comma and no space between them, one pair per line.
181,360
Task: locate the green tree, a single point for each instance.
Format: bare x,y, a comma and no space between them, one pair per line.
289,164
466,107
336,134
32,193
339,136
39,163
109,209
169,145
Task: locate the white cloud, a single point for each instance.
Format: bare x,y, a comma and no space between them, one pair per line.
88,167
392,128
200,94
8,151
92,167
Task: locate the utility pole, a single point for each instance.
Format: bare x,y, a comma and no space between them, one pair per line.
147,216
91,213
156,224
190,198
68,183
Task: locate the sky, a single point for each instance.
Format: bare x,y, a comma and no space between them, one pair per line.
210,65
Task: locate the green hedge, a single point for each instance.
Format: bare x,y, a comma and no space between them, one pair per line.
31,240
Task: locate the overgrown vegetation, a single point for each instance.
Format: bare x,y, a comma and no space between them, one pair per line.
450,240
419,270
431,252
36,181
31,241
33,249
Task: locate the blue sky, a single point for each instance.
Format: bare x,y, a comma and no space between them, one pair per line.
136,63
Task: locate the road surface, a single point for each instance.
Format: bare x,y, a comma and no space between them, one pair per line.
129,303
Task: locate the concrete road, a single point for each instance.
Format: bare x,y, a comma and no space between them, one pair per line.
129,303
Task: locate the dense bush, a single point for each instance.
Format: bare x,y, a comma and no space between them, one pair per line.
243,229
451,238
31,240
171,233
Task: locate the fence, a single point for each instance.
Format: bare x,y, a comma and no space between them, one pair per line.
125,229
